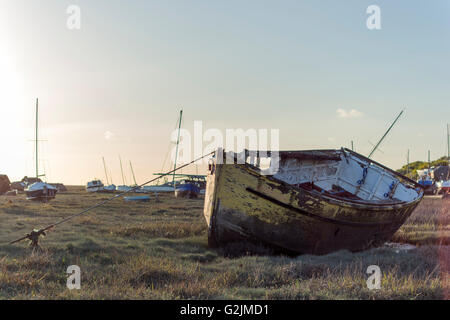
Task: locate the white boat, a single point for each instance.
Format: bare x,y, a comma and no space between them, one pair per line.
41,191
95,186
124,188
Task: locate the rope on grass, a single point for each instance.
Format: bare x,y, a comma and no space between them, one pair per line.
34,235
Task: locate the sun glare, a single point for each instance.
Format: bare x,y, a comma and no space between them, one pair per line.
11,115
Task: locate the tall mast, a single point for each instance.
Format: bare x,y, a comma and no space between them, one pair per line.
37,137
448,144
429,162
121,169
407,161
132,172
384,136
448,151
106,172
176,152
110,176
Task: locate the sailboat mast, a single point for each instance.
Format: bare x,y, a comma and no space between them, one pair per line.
132,172
384,136
448,151
106,172
121,169
407,160
176,151
37,137
110,176
448,144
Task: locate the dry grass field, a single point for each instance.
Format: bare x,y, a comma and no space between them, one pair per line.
158,250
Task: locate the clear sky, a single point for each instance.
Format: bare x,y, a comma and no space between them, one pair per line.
288,65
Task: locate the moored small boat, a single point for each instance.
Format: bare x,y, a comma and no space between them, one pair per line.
430,187
95,186
41,191
445,187
315,201
109,189
124,188
187,190
167,187
137,199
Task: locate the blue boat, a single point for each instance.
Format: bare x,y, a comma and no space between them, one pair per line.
426,183
187,190
137,199
429,186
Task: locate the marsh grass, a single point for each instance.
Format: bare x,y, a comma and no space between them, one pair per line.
158,250
428,224
162,229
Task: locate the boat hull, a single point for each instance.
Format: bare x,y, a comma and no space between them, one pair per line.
188,190
158,189
137,199
186,194
94,189
242,205
41,195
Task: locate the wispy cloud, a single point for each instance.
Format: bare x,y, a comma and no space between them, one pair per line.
353,113
108,135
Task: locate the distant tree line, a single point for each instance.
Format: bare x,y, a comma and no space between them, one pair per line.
420,165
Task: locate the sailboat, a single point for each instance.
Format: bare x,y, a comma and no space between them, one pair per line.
190,186
445,184
428,184
167,186
95,186
110,187
183,185
135,186
124,187
39,191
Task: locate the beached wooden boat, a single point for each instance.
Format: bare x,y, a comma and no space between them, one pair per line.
316,202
